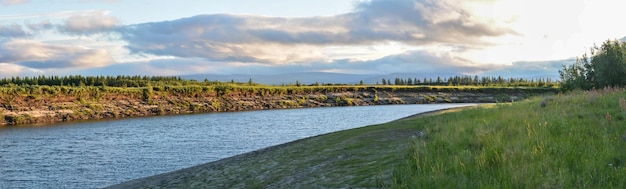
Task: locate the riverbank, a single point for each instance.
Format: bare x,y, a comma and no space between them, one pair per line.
575,140
60,104
355,157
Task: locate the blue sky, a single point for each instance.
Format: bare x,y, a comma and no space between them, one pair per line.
476,37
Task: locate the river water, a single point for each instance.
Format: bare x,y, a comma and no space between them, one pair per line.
100,153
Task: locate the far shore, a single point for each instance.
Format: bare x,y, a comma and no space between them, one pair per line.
29,109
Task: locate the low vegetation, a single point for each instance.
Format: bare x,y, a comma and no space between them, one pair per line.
578,140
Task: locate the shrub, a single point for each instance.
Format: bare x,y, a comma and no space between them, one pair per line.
14,119
147,94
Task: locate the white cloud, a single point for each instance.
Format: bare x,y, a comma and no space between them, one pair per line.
89,23
39,55
273,40
13,2
9,70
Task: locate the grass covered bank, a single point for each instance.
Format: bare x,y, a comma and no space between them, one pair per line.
576,141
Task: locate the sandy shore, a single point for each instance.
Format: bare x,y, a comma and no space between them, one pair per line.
335,160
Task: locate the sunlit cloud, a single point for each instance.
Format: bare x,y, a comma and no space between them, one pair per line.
89,23
38,55
274,40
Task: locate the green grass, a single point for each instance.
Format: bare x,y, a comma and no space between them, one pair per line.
577,141
570,143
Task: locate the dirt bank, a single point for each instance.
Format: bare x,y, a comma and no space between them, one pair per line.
29,109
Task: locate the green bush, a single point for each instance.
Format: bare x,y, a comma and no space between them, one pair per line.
605,67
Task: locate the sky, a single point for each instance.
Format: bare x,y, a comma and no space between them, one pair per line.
146,37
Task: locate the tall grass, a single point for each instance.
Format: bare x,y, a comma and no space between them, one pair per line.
577,141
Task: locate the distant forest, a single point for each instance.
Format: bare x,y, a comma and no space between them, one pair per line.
144,81
472,81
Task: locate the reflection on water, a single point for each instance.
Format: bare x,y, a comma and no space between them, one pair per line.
102,153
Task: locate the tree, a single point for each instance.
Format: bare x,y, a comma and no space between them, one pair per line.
575,76
606,66
147,94
476,81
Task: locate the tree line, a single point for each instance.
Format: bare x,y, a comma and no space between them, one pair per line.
112,81
143,81
473,81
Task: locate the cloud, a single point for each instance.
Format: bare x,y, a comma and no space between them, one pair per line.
38,55
13,2
42,25
12,31
89,23
83,22
420,62
8,70
169,66
17,2
422,22
273,40
446,37
532,69
424,62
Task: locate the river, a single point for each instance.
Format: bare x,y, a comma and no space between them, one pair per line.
96,154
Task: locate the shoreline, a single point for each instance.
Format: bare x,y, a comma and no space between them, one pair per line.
177,177
45,124
42,110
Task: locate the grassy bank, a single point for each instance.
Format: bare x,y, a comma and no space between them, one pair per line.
577,141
